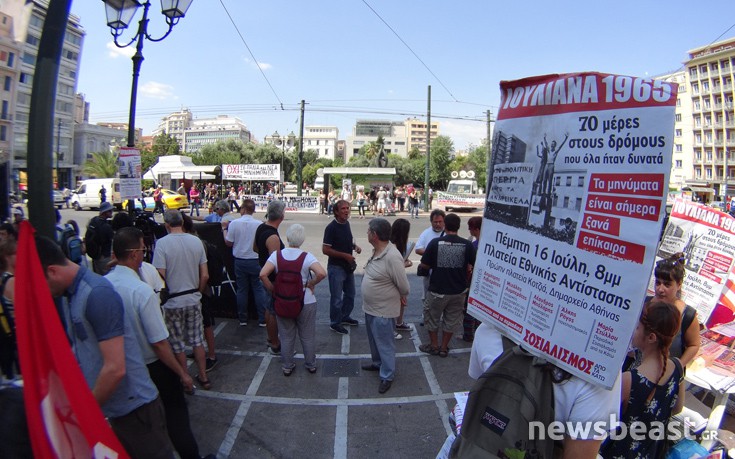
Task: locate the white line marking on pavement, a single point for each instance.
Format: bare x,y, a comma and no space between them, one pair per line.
346,344
340,425
324,401
229,441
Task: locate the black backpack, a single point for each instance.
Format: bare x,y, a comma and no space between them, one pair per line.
92,239
516,390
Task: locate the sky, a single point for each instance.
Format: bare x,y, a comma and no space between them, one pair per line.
375,59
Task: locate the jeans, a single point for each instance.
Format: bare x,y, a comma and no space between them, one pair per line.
415,211
194,205
247,276
382,344
341,294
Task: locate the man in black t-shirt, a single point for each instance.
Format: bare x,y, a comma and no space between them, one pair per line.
266,242
450,259
338,245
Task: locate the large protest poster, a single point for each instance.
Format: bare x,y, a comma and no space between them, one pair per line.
706,238
301,204
129,171
576,192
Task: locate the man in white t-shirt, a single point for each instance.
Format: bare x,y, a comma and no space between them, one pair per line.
434,231
575,400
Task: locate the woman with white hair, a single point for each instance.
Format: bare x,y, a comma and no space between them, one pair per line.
305,324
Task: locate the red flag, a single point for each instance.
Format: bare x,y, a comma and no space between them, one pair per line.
64,419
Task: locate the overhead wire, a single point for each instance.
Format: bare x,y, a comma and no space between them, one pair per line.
257,63
410,49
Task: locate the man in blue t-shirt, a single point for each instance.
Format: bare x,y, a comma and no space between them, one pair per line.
104,344
338,245
450,259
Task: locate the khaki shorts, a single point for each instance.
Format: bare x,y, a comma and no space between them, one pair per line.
184,324
445,310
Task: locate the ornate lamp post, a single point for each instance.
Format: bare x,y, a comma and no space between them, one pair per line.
119,15
286,142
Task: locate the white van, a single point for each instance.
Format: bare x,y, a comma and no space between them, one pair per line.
319,183
88,193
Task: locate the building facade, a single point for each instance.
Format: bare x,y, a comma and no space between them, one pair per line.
710,74
323,140
96,138
682,171
416,131
66,91
174,125
366,131
208,131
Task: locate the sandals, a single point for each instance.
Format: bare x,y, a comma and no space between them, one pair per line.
205,383
429,349
443,352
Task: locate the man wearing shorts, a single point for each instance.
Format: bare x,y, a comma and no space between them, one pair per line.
185,282
450,259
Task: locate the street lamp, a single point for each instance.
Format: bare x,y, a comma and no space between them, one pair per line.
119,15
288,141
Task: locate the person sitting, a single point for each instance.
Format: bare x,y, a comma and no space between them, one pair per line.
654,391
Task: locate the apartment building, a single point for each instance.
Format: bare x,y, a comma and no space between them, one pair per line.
416,131
175,124
9,58
710,73
681,158
66,89
208,131
366,131
322,139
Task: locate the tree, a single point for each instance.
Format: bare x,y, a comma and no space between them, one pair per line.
102,165
164,145
222,152
439,173
414,153
478,159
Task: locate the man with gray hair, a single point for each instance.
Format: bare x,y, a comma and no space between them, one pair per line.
185,281
384,285
268,241
219,209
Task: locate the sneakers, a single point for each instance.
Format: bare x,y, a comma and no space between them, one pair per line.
243,323
339,329
210,364
350,321
287,371
274,350
397,335
261,324
403,327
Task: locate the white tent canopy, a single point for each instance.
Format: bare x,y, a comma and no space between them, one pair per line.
180,167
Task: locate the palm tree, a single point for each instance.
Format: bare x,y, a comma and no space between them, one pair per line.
102,165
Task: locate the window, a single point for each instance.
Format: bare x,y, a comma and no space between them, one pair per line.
557,181
569,181
11,59
678,164
678,117
8,83
29,58
580,181
678,102
4,110
36,21
566,201
678,133
24,99
578,204
708,172
678,148
32,40
71,55
3,133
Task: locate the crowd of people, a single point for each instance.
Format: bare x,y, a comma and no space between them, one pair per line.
169,304
379,200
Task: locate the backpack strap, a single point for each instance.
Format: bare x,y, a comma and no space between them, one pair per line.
686,321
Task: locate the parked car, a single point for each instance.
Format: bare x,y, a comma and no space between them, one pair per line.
719,205
59,200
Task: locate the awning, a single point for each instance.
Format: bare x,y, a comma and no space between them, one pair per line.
699,189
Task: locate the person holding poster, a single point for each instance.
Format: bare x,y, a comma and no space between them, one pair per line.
450,259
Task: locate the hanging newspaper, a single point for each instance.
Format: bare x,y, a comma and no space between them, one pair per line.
254,172
576,192
129,171
706,237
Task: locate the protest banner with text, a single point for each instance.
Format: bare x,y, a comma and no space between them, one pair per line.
576,191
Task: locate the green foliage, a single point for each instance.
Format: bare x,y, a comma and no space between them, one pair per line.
439,173
478,159
222,152
308,173
102,165
414,153
164,145
358,161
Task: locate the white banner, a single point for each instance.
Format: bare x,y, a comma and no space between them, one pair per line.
301,204
578,181
129,171
706,237
255,172
463,201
